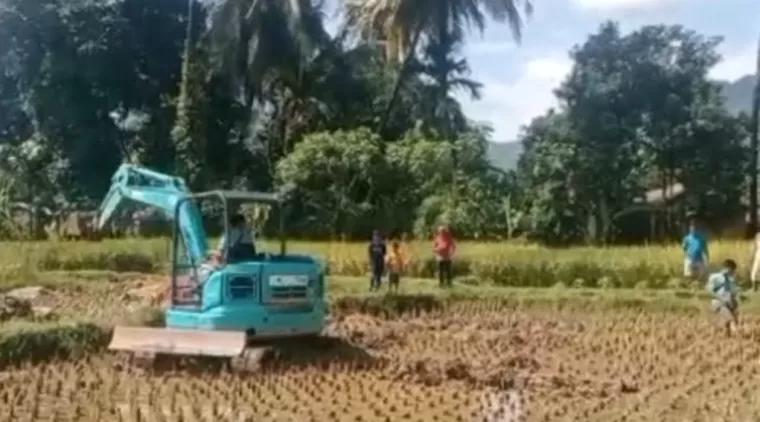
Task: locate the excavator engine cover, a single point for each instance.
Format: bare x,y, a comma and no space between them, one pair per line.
173,341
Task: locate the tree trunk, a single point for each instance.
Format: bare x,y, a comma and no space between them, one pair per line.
753,223
400,79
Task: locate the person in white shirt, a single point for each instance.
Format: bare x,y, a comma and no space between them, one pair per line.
754,274
238,241
724,290
212,264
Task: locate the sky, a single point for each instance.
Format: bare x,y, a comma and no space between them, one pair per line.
519,79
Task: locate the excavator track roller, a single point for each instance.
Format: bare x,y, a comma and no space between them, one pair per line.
250,360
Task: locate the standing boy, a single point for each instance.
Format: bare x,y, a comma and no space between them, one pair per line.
722,286
395,263
695,251
443,248
376,252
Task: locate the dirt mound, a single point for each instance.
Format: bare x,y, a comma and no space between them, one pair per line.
435,370
13,307
26,302
367,331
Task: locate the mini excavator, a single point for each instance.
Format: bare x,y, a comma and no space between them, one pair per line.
236,309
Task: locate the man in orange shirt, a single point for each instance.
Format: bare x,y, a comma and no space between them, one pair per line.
394,262
444,248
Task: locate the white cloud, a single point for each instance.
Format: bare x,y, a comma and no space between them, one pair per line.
620,5
736,65
489,47
509,105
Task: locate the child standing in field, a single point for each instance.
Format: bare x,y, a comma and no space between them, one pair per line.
395,263
444,248
723,287
376,252
695,251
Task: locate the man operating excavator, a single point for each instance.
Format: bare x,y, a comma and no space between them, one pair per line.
238,241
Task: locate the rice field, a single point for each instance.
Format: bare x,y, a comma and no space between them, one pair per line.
552,349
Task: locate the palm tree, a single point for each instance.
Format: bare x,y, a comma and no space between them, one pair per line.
251,38
449,74
401,24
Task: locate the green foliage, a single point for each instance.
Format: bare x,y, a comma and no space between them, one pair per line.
189,132
637,114
333,176
257,95
346,183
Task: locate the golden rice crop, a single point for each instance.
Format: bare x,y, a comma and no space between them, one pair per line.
464,362
502,263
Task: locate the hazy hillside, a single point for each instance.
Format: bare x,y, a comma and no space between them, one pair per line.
504,154
738,96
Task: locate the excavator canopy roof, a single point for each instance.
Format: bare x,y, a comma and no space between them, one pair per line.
239,195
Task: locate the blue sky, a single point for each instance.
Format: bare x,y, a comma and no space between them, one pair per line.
519,79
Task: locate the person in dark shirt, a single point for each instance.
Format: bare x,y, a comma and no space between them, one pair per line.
376,252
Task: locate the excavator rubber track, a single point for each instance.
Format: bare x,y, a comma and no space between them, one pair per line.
143,347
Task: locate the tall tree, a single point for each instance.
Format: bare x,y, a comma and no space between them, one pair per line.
753,169
402,24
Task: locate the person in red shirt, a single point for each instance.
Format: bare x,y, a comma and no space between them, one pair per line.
444,248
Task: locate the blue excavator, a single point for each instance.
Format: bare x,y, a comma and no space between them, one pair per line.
231,309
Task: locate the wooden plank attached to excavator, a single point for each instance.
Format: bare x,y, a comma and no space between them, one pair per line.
173,341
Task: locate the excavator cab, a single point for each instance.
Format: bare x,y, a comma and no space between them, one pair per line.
229,309
189,276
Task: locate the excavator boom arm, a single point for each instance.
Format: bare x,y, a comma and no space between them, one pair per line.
163,192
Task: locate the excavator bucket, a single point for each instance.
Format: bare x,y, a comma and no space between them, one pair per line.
172,341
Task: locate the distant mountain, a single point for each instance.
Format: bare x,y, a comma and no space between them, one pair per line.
738,94
504,155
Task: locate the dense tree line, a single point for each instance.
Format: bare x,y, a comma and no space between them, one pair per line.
362,127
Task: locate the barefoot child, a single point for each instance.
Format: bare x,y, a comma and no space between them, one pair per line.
722,286
394,262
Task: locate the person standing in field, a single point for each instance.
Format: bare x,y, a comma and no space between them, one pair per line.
376,252
395,263
444,248
723,288
695,251
754,274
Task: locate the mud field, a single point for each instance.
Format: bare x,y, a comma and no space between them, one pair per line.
472,361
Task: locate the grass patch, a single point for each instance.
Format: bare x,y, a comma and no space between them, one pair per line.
35,342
